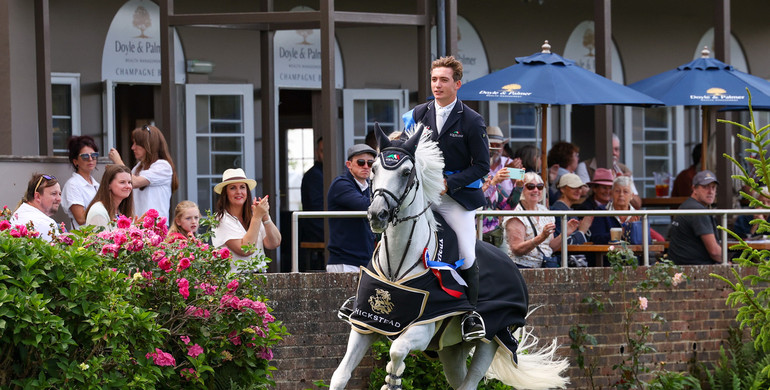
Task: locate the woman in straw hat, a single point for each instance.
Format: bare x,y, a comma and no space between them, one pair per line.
241,225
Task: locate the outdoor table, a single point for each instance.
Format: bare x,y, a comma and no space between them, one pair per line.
670,202
755,244
603,249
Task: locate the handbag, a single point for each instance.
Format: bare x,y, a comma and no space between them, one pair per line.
633,233
548,261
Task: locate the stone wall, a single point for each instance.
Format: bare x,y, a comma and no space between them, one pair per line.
697,321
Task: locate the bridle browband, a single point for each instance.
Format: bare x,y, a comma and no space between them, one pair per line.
412,182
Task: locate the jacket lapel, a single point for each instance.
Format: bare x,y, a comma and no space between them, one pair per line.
453,118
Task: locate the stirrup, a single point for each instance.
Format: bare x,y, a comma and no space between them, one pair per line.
346,309
476,334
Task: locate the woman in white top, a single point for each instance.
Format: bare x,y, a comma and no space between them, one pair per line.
530,238
81,187
241,222
154,176
113,198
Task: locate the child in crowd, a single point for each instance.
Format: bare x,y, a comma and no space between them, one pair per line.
186,217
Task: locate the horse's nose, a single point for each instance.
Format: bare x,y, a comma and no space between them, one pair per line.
382,215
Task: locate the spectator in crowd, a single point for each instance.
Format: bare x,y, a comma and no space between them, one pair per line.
154,176
351,241
694,239
530,158
38,205
563,158
243,222
81,188
461,136
530,239
587,168
501,192
507,151
186,219
312,195
601,191
571,187
683,181
114,197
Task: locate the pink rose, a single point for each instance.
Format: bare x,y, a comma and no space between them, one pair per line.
158,255
183,285
184,263
148,222
185,339
643,303
152,213
119,238
194,350
224,253
164,264
233,285
161,358
124,222
233,337
678,278
5,225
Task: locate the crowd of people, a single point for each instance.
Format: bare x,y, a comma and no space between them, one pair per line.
244,223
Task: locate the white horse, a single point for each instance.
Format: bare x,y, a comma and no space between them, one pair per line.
408,179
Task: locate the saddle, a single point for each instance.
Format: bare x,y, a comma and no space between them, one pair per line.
390,307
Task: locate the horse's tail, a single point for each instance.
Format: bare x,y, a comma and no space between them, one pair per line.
538,367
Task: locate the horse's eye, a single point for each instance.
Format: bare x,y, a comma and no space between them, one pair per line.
406,172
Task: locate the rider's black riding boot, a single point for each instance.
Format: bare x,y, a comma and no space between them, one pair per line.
472,324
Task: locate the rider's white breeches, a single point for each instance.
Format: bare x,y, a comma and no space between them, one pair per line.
463,222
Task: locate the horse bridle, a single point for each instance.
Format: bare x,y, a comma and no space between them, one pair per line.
412,183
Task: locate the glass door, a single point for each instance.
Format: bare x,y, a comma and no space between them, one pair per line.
220,135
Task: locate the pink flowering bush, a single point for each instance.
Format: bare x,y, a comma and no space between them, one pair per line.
132,307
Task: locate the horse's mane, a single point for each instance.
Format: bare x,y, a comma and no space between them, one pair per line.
430,168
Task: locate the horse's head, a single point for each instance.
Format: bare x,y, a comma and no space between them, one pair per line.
395,178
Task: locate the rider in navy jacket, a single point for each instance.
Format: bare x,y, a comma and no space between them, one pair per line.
351,241
462,138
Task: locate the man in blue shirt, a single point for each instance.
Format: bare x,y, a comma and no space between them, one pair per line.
351,241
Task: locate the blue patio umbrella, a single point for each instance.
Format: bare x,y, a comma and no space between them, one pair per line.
547,78
706,82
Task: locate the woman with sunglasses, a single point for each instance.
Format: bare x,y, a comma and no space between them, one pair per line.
80,189
113,198
243,221
154,176
531,240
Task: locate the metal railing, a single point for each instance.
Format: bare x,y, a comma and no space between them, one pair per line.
296,215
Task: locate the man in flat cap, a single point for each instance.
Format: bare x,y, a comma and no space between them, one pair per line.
351,241
694,238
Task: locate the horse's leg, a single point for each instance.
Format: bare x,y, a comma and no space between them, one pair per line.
482,358
416,338
453,359
358,345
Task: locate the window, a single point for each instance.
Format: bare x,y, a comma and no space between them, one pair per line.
65,107
519,123
363,107
654,149
301,153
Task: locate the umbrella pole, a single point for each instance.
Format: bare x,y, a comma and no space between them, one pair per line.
704,137
544,142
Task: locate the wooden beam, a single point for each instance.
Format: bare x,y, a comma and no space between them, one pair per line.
423,52
292,20
43,76
603,66
169,119
6,130
332,154
723,135
269,134
450,18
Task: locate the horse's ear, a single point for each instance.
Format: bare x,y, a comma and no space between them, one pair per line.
382,140
411,143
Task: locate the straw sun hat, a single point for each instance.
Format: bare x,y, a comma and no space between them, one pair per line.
234,175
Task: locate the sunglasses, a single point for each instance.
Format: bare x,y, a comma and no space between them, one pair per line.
532,186
40,180
147,127
361,162
89,156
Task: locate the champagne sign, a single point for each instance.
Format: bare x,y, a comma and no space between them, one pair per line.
132,48
297,58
